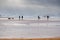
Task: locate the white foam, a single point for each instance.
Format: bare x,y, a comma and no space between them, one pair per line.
13,24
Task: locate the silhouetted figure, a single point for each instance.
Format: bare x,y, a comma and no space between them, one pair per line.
12,18
47,17
38,17
22,17
9,18
19,17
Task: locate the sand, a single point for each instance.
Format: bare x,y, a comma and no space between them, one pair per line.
33,29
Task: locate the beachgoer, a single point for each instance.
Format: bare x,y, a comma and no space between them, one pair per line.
19,17
9,18
22,17
12,18
47,17
38,17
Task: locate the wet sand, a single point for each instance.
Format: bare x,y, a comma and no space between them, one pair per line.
32,39
31,29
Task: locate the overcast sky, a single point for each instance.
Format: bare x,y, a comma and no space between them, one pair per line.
30,7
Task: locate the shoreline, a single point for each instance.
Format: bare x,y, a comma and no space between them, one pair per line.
13,25
31,39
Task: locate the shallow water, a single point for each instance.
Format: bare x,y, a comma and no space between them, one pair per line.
29,29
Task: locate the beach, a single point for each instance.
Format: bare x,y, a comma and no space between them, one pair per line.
29,29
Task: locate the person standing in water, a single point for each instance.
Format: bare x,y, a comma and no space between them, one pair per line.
38,17
19,17
47,17
22,17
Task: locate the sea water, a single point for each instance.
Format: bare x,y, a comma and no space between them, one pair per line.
29,28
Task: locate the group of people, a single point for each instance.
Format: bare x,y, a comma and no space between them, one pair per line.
38,17
46,16
20,17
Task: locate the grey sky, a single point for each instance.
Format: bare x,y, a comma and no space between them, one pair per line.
30,7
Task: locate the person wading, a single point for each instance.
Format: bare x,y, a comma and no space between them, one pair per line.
47,17
19,17
22,17
38,17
